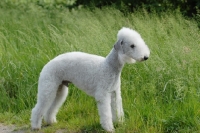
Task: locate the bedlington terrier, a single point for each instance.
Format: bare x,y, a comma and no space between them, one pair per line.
97,76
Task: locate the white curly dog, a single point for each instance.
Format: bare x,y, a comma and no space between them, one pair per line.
97,76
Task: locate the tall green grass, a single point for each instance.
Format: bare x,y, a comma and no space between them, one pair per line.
159,95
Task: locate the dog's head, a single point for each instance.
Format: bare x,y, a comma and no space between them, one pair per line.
130,46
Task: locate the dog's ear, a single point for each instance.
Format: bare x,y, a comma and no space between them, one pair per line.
118,45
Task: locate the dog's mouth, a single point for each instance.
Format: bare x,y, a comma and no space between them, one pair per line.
131,61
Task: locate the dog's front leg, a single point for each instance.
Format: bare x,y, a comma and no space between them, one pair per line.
113,106
104,108
120,111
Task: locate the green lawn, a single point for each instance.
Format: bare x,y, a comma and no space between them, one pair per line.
161,95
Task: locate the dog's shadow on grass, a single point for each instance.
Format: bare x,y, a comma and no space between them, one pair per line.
95,128
89,128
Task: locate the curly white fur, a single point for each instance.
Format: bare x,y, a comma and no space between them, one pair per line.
97,76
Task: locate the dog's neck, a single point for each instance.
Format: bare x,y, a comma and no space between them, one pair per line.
113,60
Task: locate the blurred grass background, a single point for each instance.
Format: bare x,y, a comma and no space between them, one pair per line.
159,95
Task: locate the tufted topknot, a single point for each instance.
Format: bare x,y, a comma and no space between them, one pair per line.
127,33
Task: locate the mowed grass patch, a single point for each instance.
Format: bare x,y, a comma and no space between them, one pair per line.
159,95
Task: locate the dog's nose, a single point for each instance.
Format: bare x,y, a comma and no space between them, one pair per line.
145,57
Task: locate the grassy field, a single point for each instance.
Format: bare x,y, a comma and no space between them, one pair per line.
161,95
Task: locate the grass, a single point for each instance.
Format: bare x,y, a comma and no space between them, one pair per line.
160,95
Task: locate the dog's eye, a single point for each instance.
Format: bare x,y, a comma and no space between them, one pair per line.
132,46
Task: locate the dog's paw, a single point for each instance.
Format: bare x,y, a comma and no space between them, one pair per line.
35,128
110,130
108,127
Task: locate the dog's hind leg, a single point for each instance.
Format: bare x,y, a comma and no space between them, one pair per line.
50,116
46,96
